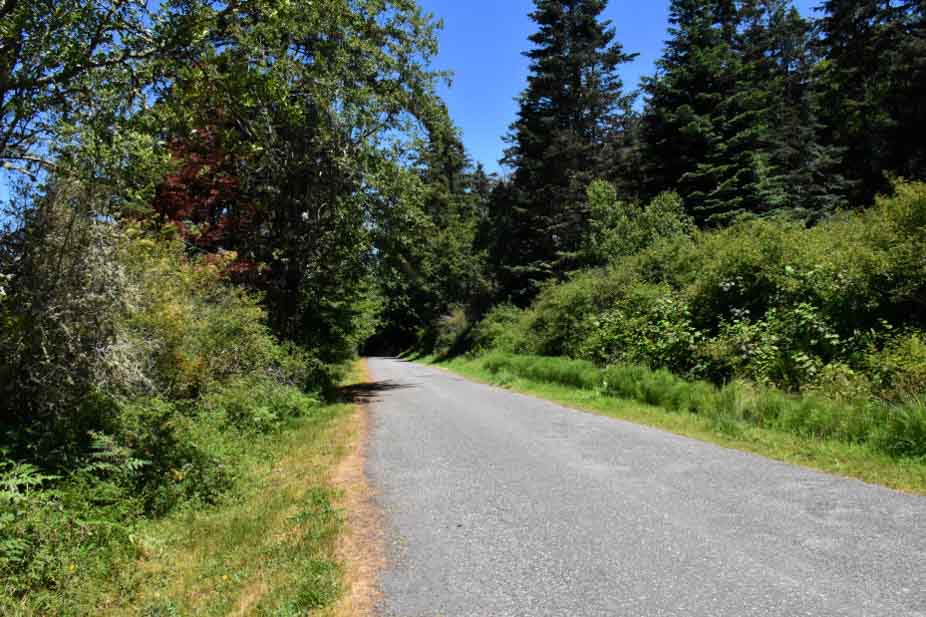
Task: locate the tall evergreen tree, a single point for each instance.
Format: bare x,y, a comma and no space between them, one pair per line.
700,127
568,114
874,88
796,172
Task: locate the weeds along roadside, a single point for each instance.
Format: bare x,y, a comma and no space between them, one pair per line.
731,417
266,545
144,388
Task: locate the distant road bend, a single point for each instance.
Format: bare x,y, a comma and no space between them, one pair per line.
498,504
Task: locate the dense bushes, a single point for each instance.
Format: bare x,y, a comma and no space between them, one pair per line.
826,309
819,330
134,377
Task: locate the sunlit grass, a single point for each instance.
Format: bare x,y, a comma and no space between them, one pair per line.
847,459
268,550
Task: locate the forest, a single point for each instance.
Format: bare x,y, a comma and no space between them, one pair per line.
213,206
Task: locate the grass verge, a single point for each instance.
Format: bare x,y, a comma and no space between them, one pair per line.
574,389
271,548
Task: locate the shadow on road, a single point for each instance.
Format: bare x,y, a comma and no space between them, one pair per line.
366,392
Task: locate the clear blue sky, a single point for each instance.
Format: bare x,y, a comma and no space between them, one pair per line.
482,43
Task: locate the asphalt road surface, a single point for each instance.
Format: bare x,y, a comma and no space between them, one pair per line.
498,504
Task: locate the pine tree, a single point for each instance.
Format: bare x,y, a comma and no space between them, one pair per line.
797,172
701,128
874,88
568,114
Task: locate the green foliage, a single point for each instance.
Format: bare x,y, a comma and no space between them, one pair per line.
893,430
47,535
761,308
898,370
64,294
258,405
649,325
618,229
497,330
188,375
427,263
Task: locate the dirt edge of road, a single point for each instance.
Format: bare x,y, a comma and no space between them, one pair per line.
361,546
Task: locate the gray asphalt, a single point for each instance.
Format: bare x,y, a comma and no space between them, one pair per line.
499,504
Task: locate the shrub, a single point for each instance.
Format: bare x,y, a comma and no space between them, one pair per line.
63,291
187,327
899,369
498,329
561,318
449,331
258,405
619,228
48,533
765,300
649,325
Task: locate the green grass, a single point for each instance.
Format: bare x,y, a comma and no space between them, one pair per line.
269,551
266,548
805,432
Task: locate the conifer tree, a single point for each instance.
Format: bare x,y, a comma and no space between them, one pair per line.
700,126
874,88
797,173
558,144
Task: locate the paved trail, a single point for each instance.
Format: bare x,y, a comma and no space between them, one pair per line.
498,504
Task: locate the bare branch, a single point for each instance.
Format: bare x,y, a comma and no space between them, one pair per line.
22,170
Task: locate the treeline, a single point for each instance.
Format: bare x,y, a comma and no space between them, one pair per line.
754,222
754,111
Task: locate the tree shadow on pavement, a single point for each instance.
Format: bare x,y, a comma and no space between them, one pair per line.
367,392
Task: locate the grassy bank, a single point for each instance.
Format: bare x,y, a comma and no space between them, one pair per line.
267,546
725,418
269,550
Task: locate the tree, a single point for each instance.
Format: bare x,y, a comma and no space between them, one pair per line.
568,114
426,261
54,55
701,127
289,106
872,89
798,173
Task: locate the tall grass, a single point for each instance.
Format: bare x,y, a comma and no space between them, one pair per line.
895,430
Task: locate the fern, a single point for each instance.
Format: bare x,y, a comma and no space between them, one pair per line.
113,460
18,479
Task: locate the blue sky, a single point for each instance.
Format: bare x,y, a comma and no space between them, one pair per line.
482,43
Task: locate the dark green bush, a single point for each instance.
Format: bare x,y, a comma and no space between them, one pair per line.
837,310
258,405
497,330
